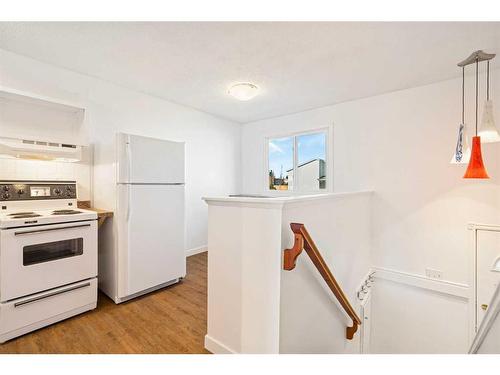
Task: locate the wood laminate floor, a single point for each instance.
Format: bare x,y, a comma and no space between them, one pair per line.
171,320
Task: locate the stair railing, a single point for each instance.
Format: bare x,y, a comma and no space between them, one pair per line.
303,241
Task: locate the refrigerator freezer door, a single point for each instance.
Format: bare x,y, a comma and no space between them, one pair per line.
149,160
151,236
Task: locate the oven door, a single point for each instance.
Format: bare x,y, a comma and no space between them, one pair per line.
47,256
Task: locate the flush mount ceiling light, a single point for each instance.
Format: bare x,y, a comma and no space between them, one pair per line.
243,91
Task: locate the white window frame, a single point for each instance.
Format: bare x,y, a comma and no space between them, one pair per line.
328,131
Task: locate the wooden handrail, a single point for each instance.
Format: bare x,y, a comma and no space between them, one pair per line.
304,241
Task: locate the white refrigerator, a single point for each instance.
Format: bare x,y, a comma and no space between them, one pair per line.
149,238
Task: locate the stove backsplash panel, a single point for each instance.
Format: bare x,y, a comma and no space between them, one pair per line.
19,169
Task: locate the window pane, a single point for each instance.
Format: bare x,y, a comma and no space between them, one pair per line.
311,158
280,163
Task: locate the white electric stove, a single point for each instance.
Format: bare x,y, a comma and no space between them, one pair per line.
48,255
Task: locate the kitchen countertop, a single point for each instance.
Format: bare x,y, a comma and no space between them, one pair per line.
277,200
102,215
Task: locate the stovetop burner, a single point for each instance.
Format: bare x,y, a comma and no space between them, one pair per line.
24,215
66,212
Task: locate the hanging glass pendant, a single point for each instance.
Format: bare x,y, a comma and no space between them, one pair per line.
488,131
462,149
476,167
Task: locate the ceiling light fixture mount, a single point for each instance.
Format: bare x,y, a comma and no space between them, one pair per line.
476,56
243,91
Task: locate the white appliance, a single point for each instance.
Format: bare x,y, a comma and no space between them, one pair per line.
39,150
48,255
146,251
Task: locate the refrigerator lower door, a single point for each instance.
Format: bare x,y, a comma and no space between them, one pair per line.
151,236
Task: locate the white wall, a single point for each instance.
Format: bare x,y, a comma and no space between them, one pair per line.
254,306
212,144
243,310
399,145
408,319
311,319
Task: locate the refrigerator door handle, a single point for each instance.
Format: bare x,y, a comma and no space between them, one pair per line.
127,216
128,151
128,155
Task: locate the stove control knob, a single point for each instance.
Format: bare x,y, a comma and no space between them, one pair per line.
5,196
5,188
20,191
57,191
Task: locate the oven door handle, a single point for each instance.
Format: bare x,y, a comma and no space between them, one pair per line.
49,229
35,299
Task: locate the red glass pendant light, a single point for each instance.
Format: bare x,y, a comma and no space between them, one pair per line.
476,168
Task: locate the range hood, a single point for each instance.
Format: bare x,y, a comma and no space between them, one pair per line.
39,150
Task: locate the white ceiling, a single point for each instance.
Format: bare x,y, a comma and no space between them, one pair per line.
299,66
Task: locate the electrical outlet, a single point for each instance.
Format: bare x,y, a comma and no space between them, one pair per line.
433,274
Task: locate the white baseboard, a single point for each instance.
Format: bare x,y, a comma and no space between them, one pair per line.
196,250
216,347
441,286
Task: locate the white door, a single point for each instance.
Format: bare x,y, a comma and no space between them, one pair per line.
152,237
487,278
149,160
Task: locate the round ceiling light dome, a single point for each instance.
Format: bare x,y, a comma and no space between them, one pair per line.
243,91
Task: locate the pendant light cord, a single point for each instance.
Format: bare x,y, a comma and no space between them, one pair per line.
477,76
488,81
463,95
